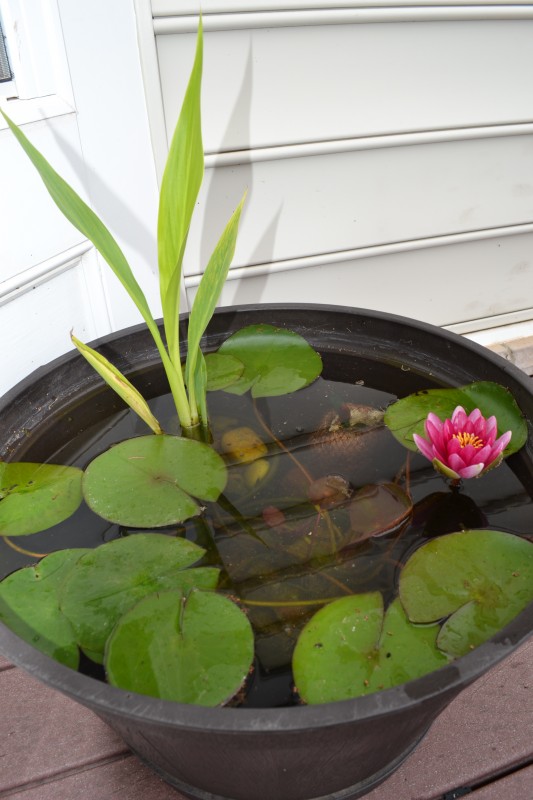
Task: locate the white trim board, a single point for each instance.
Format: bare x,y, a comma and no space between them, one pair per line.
354,16
166,8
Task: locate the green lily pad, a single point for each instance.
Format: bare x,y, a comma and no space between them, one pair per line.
148,481
29,606
33,497
107,581
480,579
408,415
191,648
276,361
351,648
222,370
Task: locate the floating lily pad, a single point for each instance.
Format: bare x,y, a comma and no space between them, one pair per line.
29,606
109,580
222,370
481,578
33,497
408,415
151,481
191,648
276,361
351,648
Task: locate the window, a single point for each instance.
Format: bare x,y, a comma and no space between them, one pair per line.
7,82
37,85
5,69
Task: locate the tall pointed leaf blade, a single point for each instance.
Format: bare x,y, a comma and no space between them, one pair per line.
119,383
181,183
84,219
200,384
210,287
87,222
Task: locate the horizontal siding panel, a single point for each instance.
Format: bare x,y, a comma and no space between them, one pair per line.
323,204
36,324
274,86
441,285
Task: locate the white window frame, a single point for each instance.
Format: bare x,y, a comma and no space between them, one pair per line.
41,87
7,87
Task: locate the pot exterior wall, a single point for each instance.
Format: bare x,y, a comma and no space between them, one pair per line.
337,762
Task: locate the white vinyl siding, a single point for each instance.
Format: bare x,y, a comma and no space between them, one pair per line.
387,150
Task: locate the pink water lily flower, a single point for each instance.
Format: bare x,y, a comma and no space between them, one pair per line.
463,446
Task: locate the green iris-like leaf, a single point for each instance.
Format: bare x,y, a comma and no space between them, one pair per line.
180,185
33,497
107,581
480,579
408,415
29,606
204,305
276,361
351,648
121,385
203,645
151,481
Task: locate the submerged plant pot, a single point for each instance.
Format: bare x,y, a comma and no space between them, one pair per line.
336,750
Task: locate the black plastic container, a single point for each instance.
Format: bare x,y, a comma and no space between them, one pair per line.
338,750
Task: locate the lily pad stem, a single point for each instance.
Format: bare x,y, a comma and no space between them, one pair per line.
280,444
24,552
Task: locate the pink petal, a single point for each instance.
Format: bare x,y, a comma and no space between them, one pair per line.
480,429
459,417
472,471
483,455
469,453
491,428
440,455
453,446
468,427
500,445
503,441
425,448
475,416
456,462
434,433
448,429
436,421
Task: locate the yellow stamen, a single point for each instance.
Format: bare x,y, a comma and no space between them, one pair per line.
468,438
